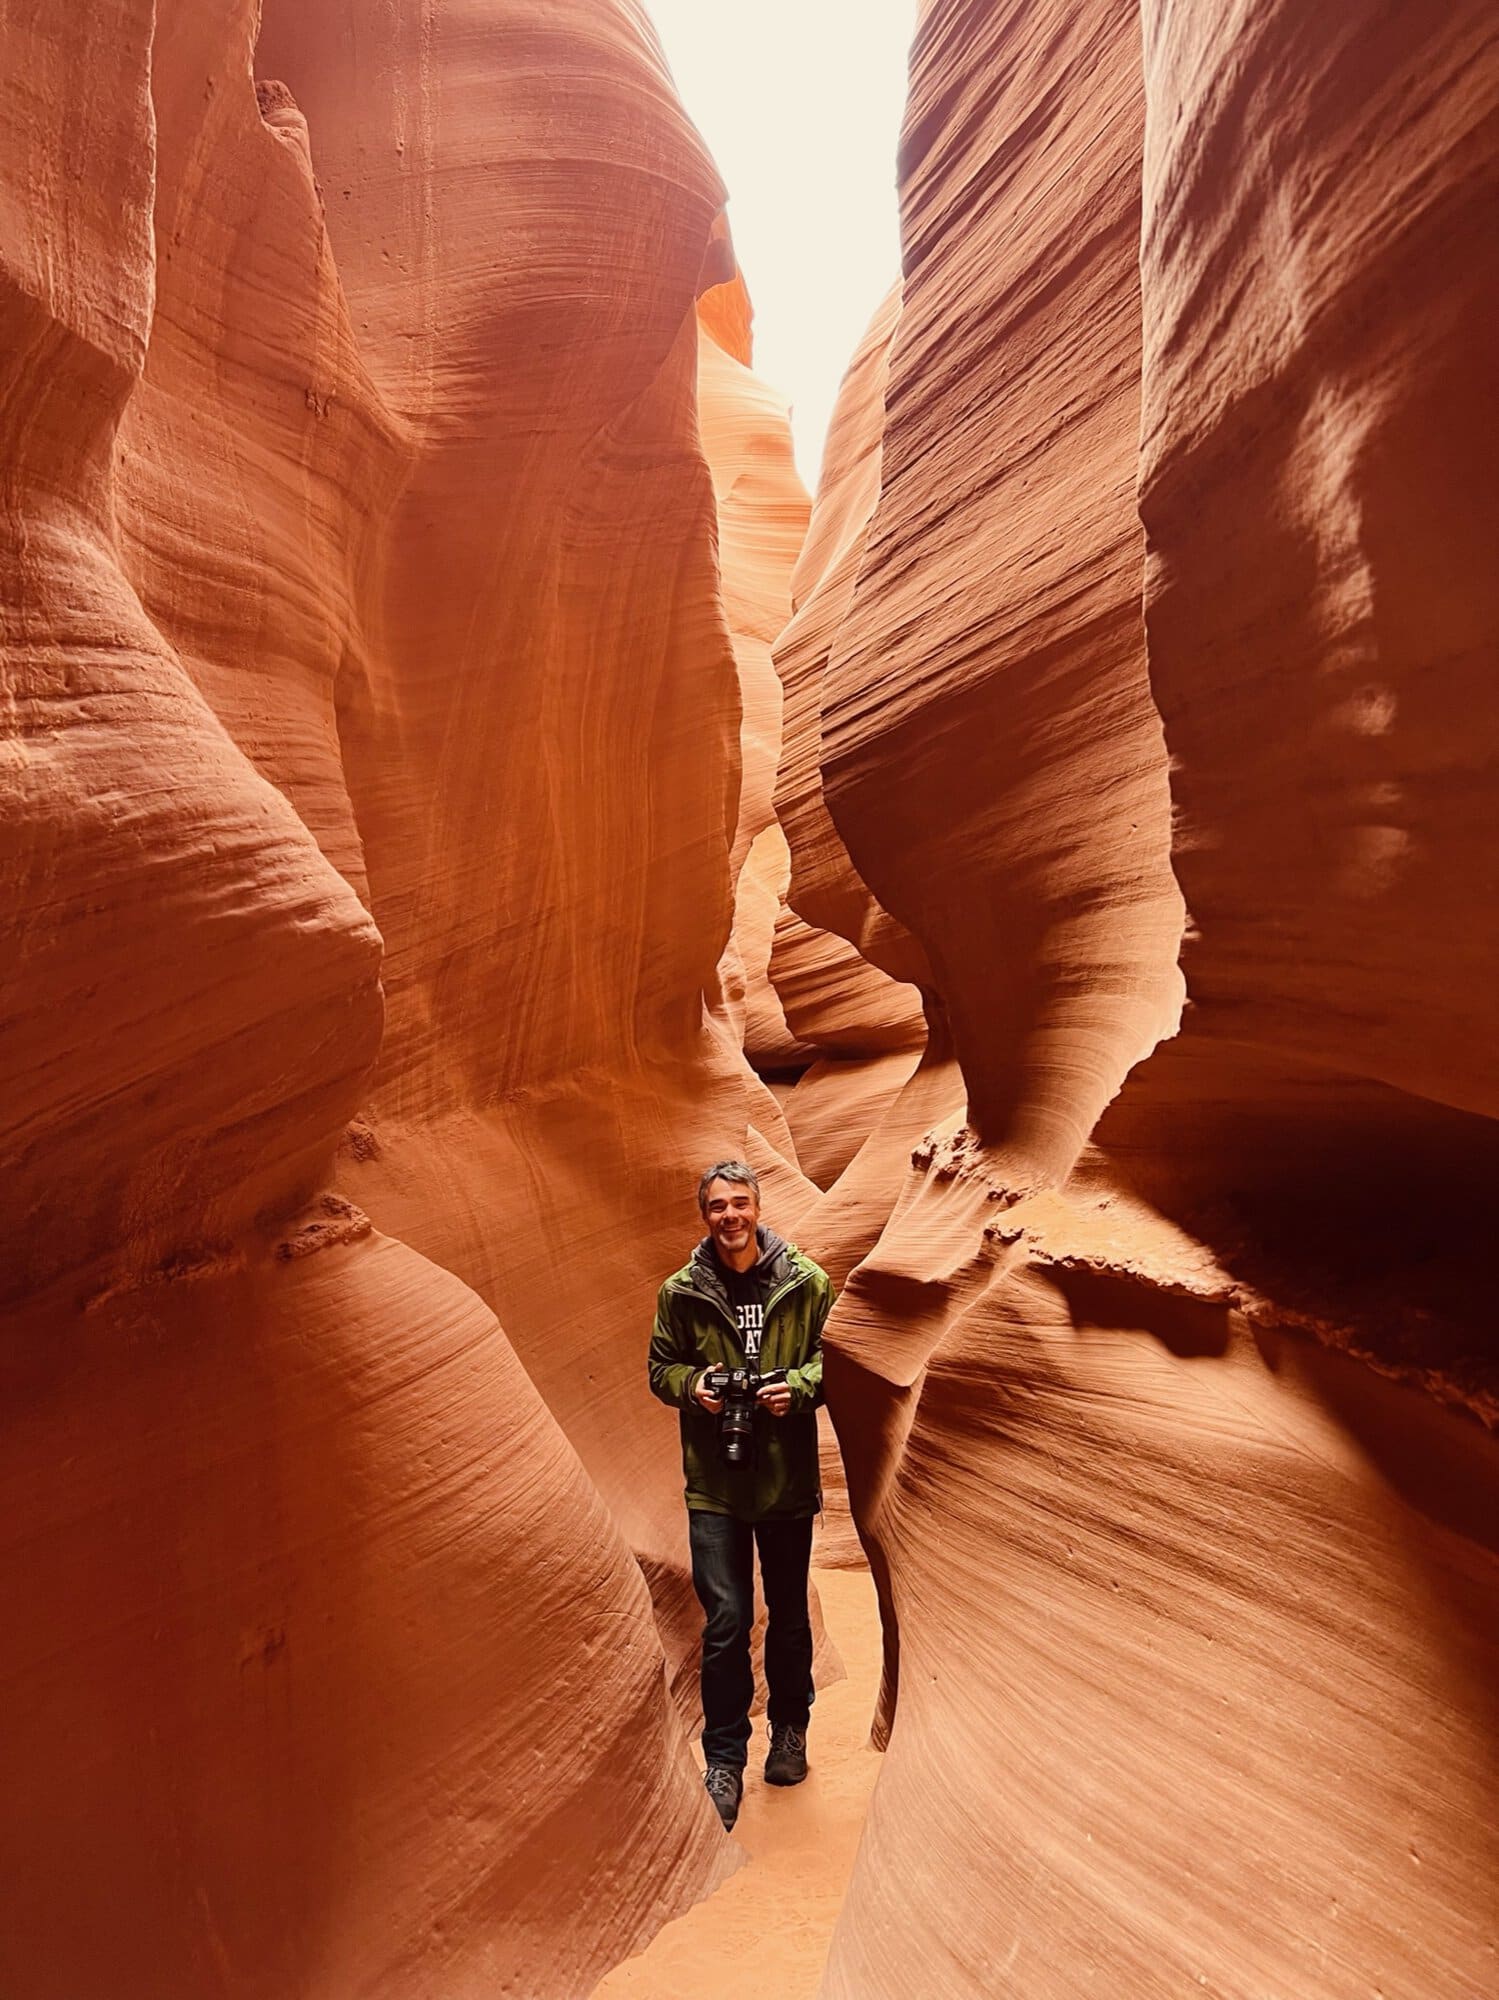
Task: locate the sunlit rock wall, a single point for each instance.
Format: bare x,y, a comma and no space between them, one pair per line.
393,546
762,510
1174,588
359,585
544,742
847,975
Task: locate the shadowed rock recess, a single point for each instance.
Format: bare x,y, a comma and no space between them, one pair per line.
456,782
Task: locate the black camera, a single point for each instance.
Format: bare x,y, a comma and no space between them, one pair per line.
739,1388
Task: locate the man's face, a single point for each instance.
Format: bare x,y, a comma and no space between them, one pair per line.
731,1212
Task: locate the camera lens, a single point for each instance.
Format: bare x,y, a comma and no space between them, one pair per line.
736,1427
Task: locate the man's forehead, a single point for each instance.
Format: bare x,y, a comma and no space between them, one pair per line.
727,1190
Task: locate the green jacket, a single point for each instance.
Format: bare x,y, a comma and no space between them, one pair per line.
696,1329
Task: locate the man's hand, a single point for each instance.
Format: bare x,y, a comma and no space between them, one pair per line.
701,1394
776,1396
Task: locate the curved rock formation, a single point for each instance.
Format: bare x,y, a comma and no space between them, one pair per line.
424,849
826,889
1025,842
848,975
542,739
762,510
1192,1619
321,1636
1315,635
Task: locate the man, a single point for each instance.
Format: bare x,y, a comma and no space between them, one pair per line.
746,1299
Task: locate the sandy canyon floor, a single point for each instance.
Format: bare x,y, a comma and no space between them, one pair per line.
767,1929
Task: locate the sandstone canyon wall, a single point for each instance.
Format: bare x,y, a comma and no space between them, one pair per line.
851,979
453,790
360,587
543,744
1193,1620
762,510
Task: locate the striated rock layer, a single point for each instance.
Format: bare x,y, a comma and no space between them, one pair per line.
424,848
850,978
762,508
358,561
1188,1564
1317,631
542,738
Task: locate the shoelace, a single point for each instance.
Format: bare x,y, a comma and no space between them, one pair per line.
787,1738
721,1779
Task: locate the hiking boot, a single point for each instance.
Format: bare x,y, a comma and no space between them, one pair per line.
725,1786
787,1762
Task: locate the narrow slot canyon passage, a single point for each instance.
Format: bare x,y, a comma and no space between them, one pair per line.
767,1930
895,598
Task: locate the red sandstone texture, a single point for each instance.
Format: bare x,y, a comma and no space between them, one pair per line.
543,743
1192,1618
848,975
360,585
447,802
762,509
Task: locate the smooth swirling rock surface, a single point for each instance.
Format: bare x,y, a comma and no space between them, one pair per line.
543,736
847,975
359,585
762,509
447,802
1031,858
1316,633
1147,1388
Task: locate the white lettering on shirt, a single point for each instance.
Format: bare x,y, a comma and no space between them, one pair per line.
751,1327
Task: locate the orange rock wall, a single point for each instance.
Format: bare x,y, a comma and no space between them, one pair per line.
416,814
359,585
849,977
762,510
1191,1617
543,743
826,890
1002,578
1315,657
1314,362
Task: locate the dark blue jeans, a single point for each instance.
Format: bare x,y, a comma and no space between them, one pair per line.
723,1575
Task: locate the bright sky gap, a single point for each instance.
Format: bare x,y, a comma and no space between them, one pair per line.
800,102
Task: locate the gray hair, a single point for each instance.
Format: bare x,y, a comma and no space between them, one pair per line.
727,1170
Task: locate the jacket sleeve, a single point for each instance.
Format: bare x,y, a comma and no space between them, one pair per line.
806,1381
672,1369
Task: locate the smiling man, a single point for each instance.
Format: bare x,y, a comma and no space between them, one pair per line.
746,1301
